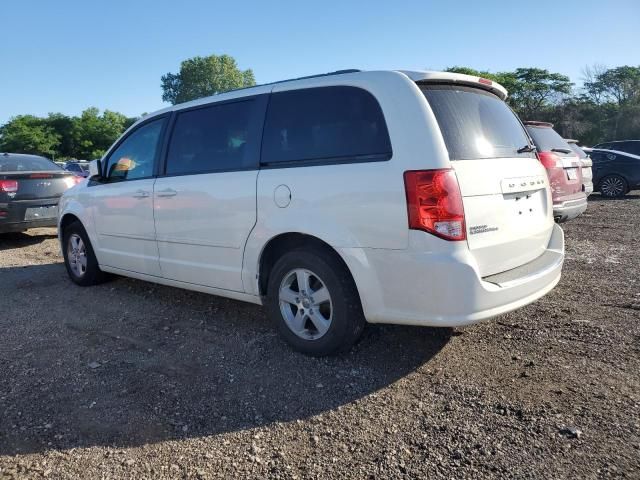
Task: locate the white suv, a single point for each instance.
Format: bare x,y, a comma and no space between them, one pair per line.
388,197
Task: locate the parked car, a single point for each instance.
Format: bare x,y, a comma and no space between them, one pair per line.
30,187
564,170
586,164
388,197
615,173
624,146
78,168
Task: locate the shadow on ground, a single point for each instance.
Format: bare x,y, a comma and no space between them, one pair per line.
18,240
128,363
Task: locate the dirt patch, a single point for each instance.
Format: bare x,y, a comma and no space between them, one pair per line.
135,380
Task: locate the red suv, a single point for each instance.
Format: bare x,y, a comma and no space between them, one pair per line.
564,169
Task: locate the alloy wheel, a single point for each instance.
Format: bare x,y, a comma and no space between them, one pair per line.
612,186
305,304
77,255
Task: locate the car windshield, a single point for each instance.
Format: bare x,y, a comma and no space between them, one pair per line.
547,139
476,124
15,163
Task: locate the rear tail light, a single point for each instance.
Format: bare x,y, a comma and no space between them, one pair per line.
550,160
434,203
8,186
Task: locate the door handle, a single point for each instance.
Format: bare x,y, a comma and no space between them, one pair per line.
140,194
167,192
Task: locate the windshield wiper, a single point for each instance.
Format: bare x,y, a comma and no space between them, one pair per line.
561,150
526,149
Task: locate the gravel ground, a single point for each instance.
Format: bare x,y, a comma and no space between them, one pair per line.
135,380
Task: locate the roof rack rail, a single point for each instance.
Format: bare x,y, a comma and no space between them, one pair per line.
337,72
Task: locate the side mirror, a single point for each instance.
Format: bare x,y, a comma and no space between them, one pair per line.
95,169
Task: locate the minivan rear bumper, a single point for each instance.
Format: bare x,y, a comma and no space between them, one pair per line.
445,289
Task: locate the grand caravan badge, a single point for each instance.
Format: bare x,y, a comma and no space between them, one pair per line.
481,229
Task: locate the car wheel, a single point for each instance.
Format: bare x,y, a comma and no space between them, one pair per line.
613,186
314,302
79,258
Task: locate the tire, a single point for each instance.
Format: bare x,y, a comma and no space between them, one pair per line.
613,186
302,319
75,241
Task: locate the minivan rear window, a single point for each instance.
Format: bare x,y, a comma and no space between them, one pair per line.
324,125
475,124
547,139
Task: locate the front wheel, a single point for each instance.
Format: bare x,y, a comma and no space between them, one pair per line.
79,258
314,302
613,186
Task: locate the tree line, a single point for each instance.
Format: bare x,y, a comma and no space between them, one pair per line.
59,136
606,107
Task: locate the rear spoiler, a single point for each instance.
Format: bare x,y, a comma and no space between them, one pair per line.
458,79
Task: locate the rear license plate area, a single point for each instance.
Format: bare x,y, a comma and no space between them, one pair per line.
523,206
41,213
572,173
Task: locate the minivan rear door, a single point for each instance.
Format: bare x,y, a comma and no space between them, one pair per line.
505,189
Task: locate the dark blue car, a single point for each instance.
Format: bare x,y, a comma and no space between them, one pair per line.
615,172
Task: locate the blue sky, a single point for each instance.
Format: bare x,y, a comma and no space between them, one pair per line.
65,56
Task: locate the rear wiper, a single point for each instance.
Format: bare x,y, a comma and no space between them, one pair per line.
526,149
561,150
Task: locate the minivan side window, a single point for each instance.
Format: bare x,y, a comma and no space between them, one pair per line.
214,138
136,155
324,125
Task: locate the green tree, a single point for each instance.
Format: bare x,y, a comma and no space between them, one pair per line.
93,133
203,76
28,134
62,125
531,90
620,85
535,89
616,92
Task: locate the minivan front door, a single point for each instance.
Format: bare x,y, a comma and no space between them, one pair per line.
205,203
123,203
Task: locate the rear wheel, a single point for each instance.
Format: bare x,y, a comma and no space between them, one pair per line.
613,186
79,258
314,302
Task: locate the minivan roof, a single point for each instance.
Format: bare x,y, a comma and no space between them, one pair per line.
414,75
428,76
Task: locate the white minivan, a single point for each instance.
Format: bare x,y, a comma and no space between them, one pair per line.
386,197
